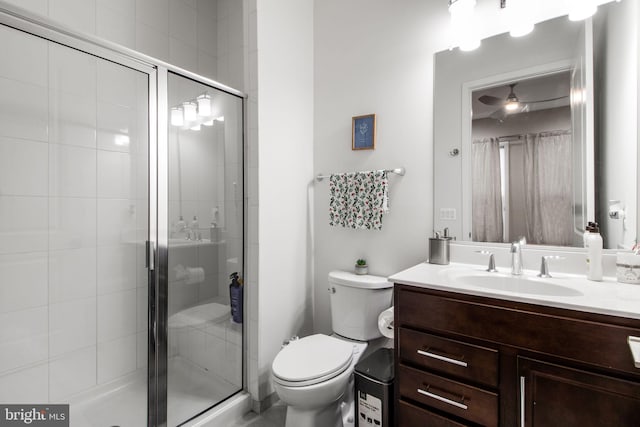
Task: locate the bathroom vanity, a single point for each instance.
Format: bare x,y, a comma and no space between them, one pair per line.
476,355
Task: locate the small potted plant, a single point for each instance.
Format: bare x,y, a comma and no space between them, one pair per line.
361,266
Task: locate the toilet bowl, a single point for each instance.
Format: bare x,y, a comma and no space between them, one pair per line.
314,375
311,375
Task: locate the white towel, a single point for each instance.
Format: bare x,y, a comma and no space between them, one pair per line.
358,199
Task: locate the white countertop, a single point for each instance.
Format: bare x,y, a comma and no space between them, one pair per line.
564,290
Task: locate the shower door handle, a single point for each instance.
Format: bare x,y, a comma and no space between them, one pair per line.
150,252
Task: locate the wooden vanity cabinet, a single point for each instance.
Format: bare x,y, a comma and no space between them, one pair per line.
463,360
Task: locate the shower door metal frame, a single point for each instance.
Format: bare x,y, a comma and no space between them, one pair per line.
158,178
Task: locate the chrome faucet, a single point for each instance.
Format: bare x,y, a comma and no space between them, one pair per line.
516,256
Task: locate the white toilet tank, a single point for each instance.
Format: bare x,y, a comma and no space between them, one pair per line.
356,302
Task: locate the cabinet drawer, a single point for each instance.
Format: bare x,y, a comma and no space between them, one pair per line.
572,335
478,364
413,416
458,399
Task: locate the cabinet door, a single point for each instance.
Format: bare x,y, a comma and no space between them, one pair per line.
552,395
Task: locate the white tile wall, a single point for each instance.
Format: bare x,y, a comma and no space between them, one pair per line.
72,373
116,23
117,127
78,14
72,326
72,222
23,111
23,224
23,281
23,338
23,59
23,167
115,179
72,274
116,268
25,385
116,358
72,119
116,315
72,171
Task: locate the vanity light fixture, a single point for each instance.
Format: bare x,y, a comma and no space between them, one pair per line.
194,113
190,111
582,9
204,105
177,118
462,24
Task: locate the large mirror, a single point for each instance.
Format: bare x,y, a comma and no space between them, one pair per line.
535,136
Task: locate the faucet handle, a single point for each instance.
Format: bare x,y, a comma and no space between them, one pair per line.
544,267
492,261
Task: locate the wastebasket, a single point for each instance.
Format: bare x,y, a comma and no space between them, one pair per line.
374,389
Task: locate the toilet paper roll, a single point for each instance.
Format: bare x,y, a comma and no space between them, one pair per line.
385,323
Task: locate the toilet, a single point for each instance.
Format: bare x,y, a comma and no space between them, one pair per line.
313,375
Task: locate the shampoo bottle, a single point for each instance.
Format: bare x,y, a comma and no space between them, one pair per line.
236,297
594,252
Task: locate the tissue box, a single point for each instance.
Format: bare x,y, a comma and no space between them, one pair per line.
628,267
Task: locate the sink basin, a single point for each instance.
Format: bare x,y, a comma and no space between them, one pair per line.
507,283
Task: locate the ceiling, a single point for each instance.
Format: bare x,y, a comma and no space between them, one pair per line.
534,89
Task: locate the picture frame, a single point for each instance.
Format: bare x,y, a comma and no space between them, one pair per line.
363,132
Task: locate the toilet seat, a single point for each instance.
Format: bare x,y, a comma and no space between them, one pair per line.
311,360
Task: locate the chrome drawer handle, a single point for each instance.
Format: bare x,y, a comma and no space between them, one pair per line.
522,400
634,346
443,399
443,358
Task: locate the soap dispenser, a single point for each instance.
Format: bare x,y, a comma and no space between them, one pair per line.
236,297
594,252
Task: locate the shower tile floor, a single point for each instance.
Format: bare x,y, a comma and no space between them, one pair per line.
190,392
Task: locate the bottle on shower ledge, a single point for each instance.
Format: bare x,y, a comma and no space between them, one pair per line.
195,225
181,225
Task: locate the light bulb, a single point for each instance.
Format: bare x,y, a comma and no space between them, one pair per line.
177,119
519,16
462,24
521,29
196,127
469,44
190,114
511,105
582,9
204,105
208,123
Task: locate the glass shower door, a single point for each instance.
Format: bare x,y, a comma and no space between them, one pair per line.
74,200
205,223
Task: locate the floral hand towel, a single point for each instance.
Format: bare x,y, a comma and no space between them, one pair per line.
358,199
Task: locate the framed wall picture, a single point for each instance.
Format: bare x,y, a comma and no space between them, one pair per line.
363,132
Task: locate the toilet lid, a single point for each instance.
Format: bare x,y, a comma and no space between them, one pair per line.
314,357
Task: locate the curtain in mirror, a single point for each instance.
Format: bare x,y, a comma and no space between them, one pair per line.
548,188
487,223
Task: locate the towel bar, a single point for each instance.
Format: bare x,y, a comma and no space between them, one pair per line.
397,171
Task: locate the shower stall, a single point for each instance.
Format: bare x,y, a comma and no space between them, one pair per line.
121,219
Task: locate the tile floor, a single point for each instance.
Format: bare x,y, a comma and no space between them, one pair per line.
272,417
